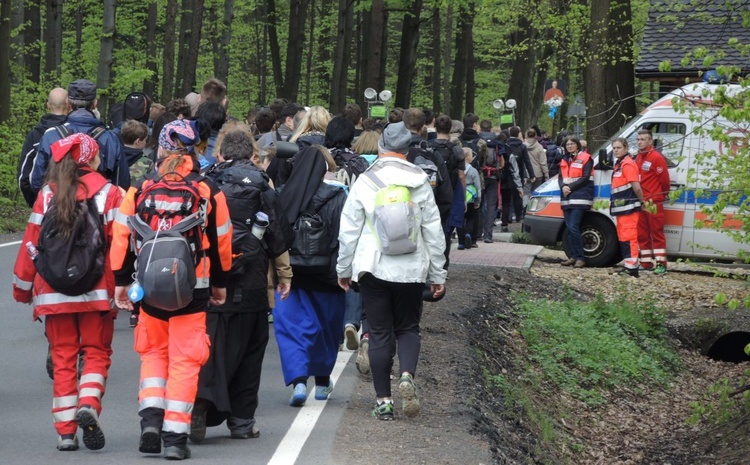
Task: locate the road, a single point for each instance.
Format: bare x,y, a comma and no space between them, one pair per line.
28,435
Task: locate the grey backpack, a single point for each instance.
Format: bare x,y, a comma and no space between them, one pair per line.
166,263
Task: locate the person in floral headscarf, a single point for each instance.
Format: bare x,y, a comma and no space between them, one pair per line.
79,322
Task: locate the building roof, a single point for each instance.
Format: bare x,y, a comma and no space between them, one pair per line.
676,28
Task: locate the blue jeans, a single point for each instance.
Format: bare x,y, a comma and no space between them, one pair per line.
573,220
353,312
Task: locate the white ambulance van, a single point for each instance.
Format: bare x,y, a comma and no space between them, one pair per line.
676,138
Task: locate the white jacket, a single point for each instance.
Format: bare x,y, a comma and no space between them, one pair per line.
358,249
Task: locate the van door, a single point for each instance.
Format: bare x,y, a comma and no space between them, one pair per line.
670,139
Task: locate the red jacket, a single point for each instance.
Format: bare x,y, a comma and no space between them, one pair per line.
28,285
654,175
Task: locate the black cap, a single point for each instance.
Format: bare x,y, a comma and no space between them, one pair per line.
82,89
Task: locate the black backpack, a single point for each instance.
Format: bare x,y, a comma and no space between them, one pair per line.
311,248
73,265
424,157
350,166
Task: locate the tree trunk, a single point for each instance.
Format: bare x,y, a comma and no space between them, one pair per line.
5,75
607,83
342,55
273,39
523,71
222,70
447,54
295,48
458,86
437,66
470,81
310,52
32,37
358,55
373,46
167,83
51,39
78,58
17,21
149,84
105,56
186,23
194,45
408,55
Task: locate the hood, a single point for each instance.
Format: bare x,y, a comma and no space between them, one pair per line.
514,142
83,120
416,139
50,121
326,191
531,143
132,154
469,134
393,170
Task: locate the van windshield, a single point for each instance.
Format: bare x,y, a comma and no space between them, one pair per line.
628,127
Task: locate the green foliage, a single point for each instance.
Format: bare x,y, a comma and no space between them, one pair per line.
721,403
588,348
520,237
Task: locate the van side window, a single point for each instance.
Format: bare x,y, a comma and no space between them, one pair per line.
669,139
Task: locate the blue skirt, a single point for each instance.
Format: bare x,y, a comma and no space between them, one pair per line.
308,327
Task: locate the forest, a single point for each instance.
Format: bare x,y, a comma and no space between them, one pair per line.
452,56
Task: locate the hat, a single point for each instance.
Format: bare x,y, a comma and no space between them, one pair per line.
82,89
395,138
82,147
186,131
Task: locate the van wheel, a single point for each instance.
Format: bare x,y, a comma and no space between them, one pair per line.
600,244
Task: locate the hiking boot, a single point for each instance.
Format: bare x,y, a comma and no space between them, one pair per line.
133,320
322,392
467,241
177,452
383,411
252,434
150,442
660,269
568,262
363,357
88,421
299,396
579,264
198,422
409,397
504,229
352,339
67,443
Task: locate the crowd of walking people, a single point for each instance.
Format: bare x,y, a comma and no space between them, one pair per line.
206,228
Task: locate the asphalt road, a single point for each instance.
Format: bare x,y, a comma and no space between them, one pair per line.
27,435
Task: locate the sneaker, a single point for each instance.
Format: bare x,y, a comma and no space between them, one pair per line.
133,321
579,264
270,317
660,268
198,422
568,262
67,443
363,357
252,434
322,392
504,229
352,339
409,397
467,241
88,421
488,241
299,396
177,452
383,411
474,245
150,442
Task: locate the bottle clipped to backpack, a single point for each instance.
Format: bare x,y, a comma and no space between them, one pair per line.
32,250
259,225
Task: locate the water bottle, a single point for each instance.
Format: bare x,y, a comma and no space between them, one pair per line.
260,224
135,292
33,252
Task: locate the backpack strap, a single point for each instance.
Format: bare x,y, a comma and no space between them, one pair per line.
62,130
97,132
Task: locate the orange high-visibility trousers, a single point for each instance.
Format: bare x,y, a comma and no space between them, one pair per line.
172,353
68,334
627,232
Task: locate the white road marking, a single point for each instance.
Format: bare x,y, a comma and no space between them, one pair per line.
291,445
10,243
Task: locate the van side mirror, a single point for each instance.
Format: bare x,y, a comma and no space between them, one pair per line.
605,161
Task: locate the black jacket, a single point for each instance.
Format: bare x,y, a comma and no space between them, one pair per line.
525,169
28,152
444,190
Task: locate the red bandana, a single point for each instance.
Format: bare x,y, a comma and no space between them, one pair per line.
82,147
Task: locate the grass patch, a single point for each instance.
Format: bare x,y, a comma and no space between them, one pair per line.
13,216
586,348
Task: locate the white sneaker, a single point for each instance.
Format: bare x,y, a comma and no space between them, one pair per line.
352,339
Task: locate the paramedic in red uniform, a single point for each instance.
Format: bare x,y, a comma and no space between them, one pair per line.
174,345
73,323
655,185
625,204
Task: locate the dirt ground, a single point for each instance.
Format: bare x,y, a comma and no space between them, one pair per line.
468,334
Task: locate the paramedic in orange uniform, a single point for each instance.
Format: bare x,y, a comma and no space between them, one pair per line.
625,204
174,345
655,185
78,322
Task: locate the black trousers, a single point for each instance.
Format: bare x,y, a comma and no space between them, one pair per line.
393,310
230,380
